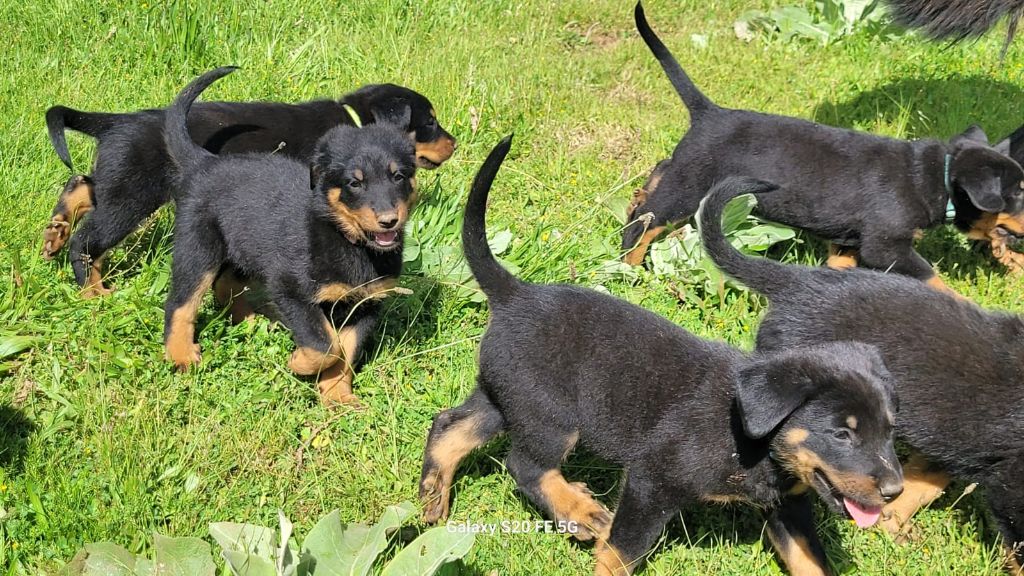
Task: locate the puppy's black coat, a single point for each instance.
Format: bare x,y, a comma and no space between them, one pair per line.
691,420
956,19
857,190
329,233
133,174
957,367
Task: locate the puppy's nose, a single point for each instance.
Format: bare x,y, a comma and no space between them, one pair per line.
387,221
890,487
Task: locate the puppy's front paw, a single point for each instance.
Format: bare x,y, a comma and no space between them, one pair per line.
54,237
97,290
184,357
434,498
594,521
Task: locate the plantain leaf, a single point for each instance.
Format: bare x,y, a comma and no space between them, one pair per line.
181,557
101,559
340,550
425,555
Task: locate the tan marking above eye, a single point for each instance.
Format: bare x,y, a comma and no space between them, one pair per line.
434,115
393,167
358,174
796,436
851,422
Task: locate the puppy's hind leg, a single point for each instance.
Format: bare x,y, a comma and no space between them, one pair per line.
335,383
534,461
641,515
899,256
841,257
198,255
455,433
229,290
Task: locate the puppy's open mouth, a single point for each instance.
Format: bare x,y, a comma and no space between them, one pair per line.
384,240
864,515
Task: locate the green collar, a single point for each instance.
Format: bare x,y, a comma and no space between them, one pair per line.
359,124
950,209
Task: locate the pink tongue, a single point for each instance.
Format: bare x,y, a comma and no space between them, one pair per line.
864,516
385,238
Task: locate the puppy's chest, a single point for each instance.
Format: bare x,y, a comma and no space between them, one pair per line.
742,481
351,277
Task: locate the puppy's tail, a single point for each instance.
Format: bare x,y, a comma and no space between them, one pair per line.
760,274
956,20
694,99
94,124
186,153
496,282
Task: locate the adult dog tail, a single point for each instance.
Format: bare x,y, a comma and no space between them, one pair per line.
759,274
694,99
496,282
94,124
186,153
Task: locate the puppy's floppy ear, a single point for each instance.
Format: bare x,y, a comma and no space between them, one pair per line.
1003,147
1013,145
974,133
394,111
768,391
983,173
314,175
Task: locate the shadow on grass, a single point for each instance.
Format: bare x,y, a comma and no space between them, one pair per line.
932,107
15,430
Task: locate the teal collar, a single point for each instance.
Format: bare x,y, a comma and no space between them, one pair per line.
950,209
359,124
945,174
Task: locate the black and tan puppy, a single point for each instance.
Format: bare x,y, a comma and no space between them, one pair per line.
133,174
861,192
327,233
957,368
690,420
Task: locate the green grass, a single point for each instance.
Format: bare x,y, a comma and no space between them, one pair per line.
100,440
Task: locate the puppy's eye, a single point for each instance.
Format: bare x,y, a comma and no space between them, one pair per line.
842,434
431,122
398,176
355,184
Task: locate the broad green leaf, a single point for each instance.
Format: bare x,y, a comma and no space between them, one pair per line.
736,212
13,344
332,546
286,557
242,564
246,538
410,250
426,554
619,207
351,550
101,559
855,10
500,242
182,557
